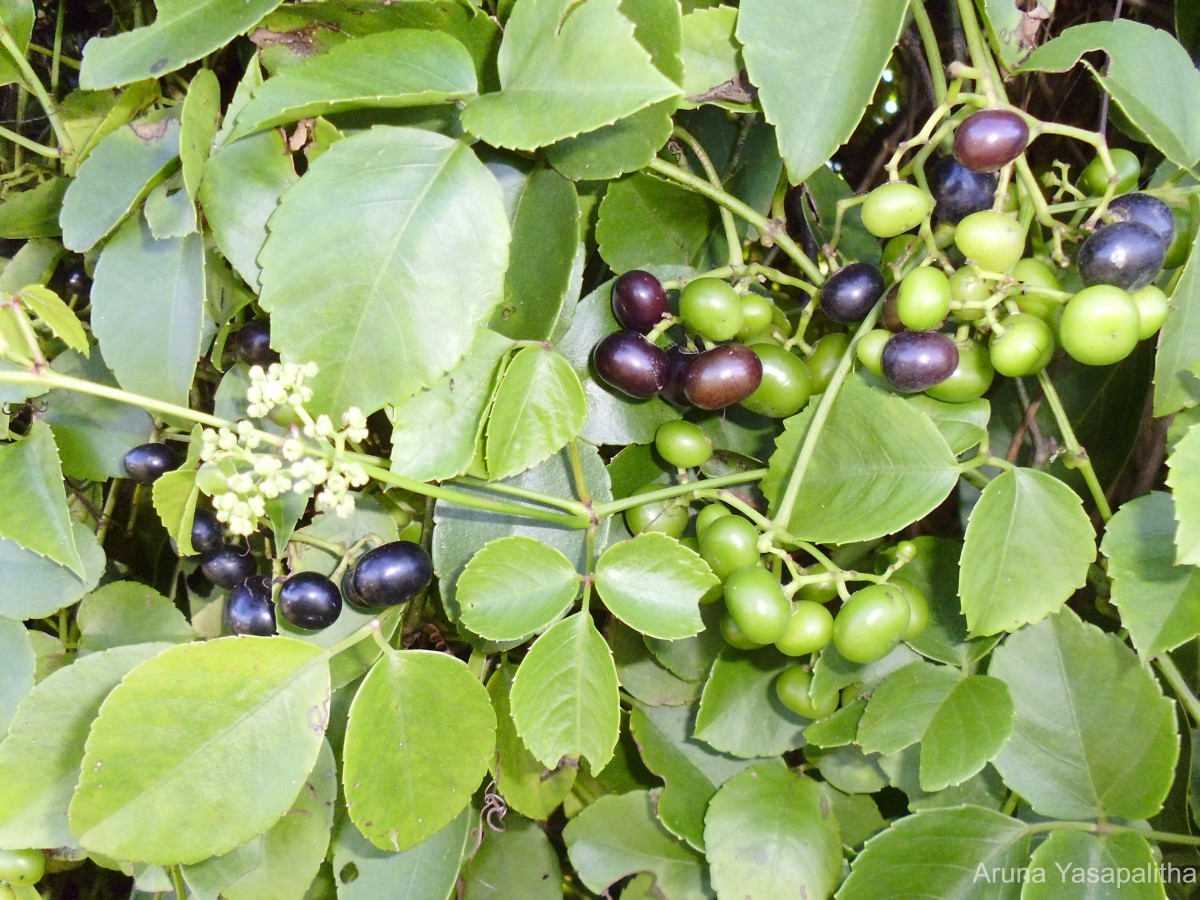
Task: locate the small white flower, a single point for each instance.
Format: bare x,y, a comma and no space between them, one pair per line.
292,450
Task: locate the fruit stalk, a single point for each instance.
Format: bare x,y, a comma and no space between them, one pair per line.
1077,451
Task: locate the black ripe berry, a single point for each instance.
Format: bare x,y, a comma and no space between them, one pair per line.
916,360
639,301
1127,255
958,191
229,566
851,292
389,575
253,343
207,534
722,376
248,608
146,462
678,361
991,138
310,600
628,362
1149,211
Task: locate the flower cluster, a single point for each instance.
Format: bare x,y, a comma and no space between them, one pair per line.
246,474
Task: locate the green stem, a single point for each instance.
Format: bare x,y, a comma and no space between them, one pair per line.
677,490
1074,447
571,506
177,883
710,171
783,514
1179,685
39,149
581,486
766,228
34,85
937,69
1104,828
981,59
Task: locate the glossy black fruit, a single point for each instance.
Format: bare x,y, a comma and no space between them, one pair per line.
1149,211
248,608
70,278
916,360
207,534
722,376
310,600
389,575
146,462
678,361
960,191
629,363
639,301
252,344
991,138
851,292
1127,255
229,567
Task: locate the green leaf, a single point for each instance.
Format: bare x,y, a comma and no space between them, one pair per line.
654,584
198,128
963,425
434,432
420,735
1007,577
769,833
565,69
646,222
1156,597
16,677
243,181
1013,32
903,705
619,835
115,176
125,612
832,672
18,17
195,757
539,407
1184,466
526,785
564,699
516,861
514,587
282,861
36,587
692,658
33,503
1163,100
183,32
33,213
174,496
612,417
740,713
93,433
1176,385
959,853
56,315
44,748
692,771
379,263
542,272
838,729
711,54
1072,864
428,871
389,70
1074,752
853,38
641,675
966,733
826,188
878,465
148,310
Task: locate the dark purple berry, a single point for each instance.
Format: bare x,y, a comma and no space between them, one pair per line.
253,344
389,575
229,566
207,534
722,376
1127,255
678,361
851,292
639,301
959,191
248,608
629,363
991,138
916,360
146,462
1149,211
310,600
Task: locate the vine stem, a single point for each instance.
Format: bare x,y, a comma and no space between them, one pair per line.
1102,828
766,228
39,149
1179,685
731,236
937,69
677,490
34,85
783,514
1076,449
